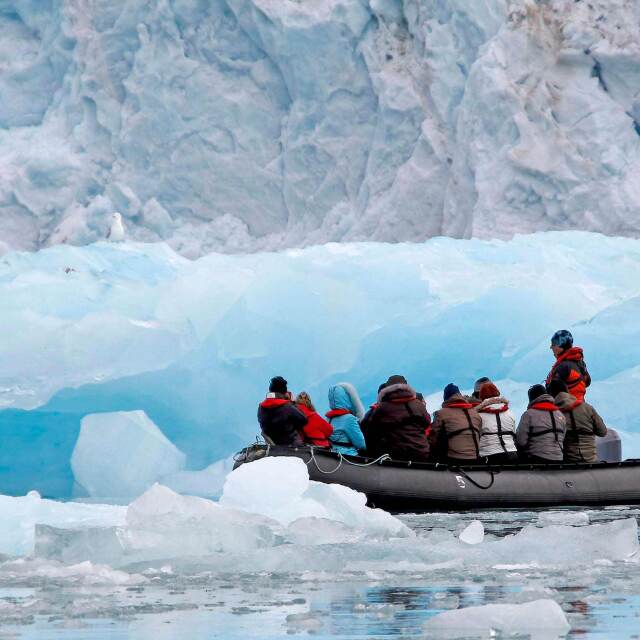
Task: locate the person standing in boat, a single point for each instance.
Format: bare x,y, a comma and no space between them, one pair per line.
398,424
317,430
497,439
569,366
280,420
541,429
455,435
583,425
346,410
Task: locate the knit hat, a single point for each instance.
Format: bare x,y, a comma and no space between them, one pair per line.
556,386
278,385
450,390
478,385
489,390
562,339
396,380
536,391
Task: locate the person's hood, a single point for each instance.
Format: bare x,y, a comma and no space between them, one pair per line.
344,396
272,403
574,353
498,404
565,400
457,401
397,393
545,402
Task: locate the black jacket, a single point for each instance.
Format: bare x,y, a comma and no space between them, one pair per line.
281,421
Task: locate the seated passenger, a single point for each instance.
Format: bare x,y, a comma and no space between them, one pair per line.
497,439
569,367
364,423
455,435
397,425
346,409
583,425
281,422
317,430
474,398
541,429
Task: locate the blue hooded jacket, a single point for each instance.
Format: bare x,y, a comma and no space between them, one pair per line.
346,427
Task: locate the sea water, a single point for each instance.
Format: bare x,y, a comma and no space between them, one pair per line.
387,599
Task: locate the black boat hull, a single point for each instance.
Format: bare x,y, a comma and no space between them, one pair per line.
407,487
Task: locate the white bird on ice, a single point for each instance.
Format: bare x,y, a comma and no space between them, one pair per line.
116,232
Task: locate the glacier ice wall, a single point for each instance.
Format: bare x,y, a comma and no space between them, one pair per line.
240,125
125,327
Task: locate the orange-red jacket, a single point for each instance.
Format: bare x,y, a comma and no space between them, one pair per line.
317,430
572,370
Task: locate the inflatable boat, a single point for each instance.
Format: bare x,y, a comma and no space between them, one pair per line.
410,487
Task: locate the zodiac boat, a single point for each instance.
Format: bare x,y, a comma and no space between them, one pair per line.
403,486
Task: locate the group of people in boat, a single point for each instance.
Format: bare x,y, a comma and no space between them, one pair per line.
557,426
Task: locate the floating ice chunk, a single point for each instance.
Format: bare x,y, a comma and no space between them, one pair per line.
22,570
540,619
574,518
561,545
280,489
273,487
19,517
122,454
473,533
162,524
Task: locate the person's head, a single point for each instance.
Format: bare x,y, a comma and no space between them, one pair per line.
478,385
561,341
488,390
397,379
557,386
303,398
278,385
450,390
536,391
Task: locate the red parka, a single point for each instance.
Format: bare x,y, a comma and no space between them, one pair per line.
571,369
317,430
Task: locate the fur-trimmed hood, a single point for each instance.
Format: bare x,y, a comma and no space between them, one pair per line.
490,402
397,392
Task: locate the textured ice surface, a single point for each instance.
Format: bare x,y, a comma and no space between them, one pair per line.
259,503
122,327
122,454
280,489
473,533
538,619
19,516
243,124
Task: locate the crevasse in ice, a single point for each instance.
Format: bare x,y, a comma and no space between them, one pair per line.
248,124
109,328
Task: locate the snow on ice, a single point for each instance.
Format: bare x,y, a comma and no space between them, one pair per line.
245,124
135,327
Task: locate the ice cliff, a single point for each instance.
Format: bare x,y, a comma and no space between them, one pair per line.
239,125
127,327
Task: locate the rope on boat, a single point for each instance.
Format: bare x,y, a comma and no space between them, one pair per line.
472,481
342,459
